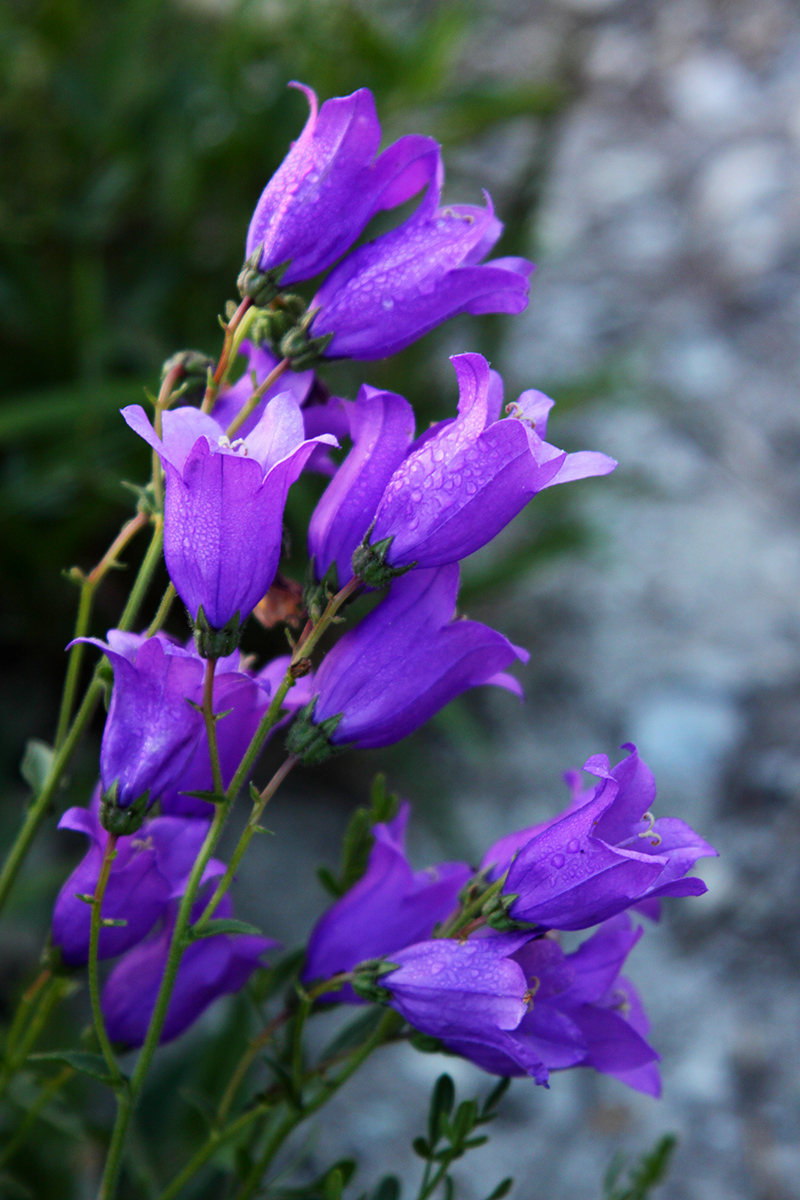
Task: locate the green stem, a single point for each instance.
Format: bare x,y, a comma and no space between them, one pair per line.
388,1025
467,912
249,830
94,945
224,364
23,1010
211,725
42,1100
179,942
217,1139
144,578
75,662
246,1061
38,809
259,393
163,610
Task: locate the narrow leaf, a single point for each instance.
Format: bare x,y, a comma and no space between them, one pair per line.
224,925
79,1060
36,763
442,1099
502,1189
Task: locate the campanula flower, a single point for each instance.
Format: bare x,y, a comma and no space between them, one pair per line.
223,518
211,967
464,479
151,867
390,292
390,907
331,184
399,666
602,856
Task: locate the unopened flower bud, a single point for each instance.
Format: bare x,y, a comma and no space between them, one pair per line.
122,821
192,363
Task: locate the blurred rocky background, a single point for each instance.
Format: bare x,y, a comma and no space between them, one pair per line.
646,154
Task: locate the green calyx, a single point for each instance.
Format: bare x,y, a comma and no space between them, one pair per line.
310,741
365,979
495,910
302,350
122,821
370,565
317,594
260,286
216,643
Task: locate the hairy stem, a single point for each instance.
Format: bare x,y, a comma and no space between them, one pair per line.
224,364
211,725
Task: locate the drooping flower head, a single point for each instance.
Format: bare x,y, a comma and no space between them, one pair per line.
150,868
602,856
330,185
391,906
223,517
399,666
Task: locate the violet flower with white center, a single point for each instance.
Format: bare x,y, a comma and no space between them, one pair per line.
331,184
388,293
223,516
399,666
390,907
465,479
150,868
601,857
210,967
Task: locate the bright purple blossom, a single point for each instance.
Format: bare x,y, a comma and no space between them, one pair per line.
390,907
466,478
602,856
331,184
210,968
381,425
152,729
405,661
244,698
578,1011
223,518
151,867
390,292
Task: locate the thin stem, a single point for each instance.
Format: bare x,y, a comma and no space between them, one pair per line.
256,398
109,855
88,585
42,1100
216,380
249,830
23,1010
128,1099
211,725
40,806
50,995
144,578
387,1026
466,914
163,610
257,1044
217,1139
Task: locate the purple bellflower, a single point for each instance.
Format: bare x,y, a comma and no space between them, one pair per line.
449,493
601,857
390,292
223,516
577,1009
211,967
244,699
151,867
152,728
331,184
390,907
399,666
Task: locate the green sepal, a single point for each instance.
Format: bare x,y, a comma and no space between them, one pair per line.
216,643
316,595
220,925
122,821
370,566
261,286
365,979
495,910
194,365
80,1060
296,345
310,741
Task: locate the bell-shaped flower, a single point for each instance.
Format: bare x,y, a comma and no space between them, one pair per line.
466,478
603,856
244,699
150,868
152,728
390,907
390,292
579,1011
223,517
399,666
331,184
211,967
381,425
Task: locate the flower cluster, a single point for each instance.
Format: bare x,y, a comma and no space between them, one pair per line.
470,958
497,988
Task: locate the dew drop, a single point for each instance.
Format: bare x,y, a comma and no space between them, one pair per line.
557,861
387,302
